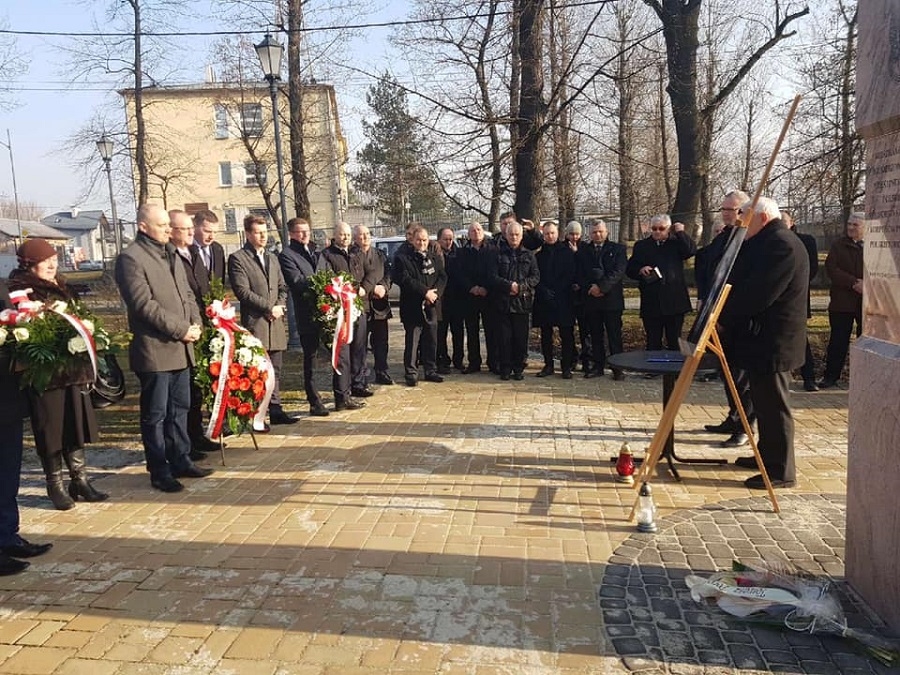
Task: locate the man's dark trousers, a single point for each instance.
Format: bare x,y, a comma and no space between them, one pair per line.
165,399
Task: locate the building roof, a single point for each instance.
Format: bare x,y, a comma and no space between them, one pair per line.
31,228
80,221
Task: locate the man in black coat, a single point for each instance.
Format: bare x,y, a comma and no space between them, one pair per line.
553,300
298,263
473,264
350,385
376,283
657,263
205,246
421,277
180,237
766,319
13,410
731,425
601,269
575,242
514,278
452,312
808,369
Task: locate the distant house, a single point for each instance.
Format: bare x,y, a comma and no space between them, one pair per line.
88,231
9,240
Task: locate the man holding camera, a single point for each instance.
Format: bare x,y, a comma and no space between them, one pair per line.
657,263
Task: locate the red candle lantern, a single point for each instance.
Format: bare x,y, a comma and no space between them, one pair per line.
625,465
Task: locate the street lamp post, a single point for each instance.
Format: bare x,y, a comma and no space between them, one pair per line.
105,146
270,52
12,168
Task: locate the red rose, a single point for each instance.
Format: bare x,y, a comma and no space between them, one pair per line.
215,385
325,309
233,402
253,373
215,368
244,409
245,384
234,383
235,370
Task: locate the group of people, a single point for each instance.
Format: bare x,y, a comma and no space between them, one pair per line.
502,285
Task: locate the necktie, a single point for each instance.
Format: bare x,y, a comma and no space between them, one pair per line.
207,258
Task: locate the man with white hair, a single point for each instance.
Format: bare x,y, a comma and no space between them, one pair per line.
765,316
575,242
844,265
657,263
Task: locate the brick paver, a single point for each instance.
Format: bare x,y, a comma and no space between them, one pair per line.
468,527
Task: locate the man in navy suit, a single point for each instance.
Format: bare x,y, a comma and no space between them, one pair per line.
205,246
298,264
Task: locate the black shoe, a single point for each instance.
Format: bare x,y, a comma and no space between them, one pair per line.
651,376
518,377
471,369
736,440
11,565
80,488
618,375
443,370
827,384
433,377
567,375
746,462
383,378
459,367
349,404
546,371
25,549
318,410
365,392
167,484
196,455
206,445
193,471
726,427
588,374
266,429
281,417
809,385
504,376
756,483
411,381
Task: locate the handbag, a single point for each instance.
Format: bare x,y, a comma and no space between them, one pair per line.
109,387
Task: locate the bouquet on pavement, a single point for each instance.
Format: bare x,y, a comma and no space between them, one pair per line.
52,344
233,371
776,594
336,306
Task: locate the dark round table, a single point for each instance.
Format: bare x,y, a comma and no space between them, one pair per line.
668,364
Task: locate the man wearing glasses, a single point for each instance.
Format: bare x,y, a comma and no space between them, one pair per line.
731,425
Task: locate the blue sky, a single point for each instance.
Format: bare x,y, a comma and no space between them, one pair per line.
47,111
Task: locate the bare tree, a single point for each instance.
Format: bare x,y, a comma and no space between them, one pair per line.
12,66
693,121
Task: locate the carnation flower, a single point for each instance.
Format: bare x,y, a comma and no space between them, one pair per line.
77,345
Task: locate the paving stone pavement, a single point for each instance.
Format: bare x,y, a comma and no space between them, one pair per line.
465,527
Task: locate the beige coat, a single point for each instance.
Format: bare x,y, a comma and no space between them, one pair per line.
160,304
258,290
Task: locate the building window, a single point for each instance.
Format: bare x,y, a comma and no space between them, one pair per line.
254,174
251,120
230,221
221,115
225,174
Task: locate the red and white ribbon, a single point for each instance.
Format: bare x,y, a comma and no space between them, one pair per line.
347,314
222,316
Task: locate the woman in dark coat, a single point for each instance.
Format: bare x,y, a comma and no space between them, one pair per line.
62,417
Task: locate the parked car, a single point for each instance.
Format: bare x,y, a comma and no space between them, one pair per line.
90,265
390,245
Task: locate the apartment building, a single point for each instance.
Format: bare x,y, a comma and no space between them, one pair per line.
211,146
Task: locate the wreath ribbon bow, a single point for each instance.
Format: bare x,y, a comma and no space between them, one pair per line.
347,314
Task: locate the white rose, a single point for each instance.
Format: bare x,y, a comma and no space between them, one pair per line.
77,345
217,345
251,341
21,333
244,356
59,306
3,334
89,325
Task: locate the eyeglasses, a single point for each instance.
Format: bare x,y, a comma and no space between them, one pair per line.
659,229
724,208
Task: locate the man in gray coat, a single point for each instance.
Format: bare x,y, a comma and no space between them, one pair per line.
259,286
164,319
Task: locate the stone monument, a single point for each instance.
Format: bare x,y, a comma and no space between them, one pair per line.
873,466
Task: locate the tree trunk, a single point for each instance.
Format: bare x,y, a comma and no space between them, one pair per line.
849,142
664,138
299,178
531,107
563,159
140,158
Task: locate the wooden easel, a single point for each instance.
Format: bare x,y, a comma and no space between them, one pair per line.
709,340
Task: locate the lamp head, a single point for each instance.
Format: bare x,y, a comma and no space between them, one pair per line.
270,52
